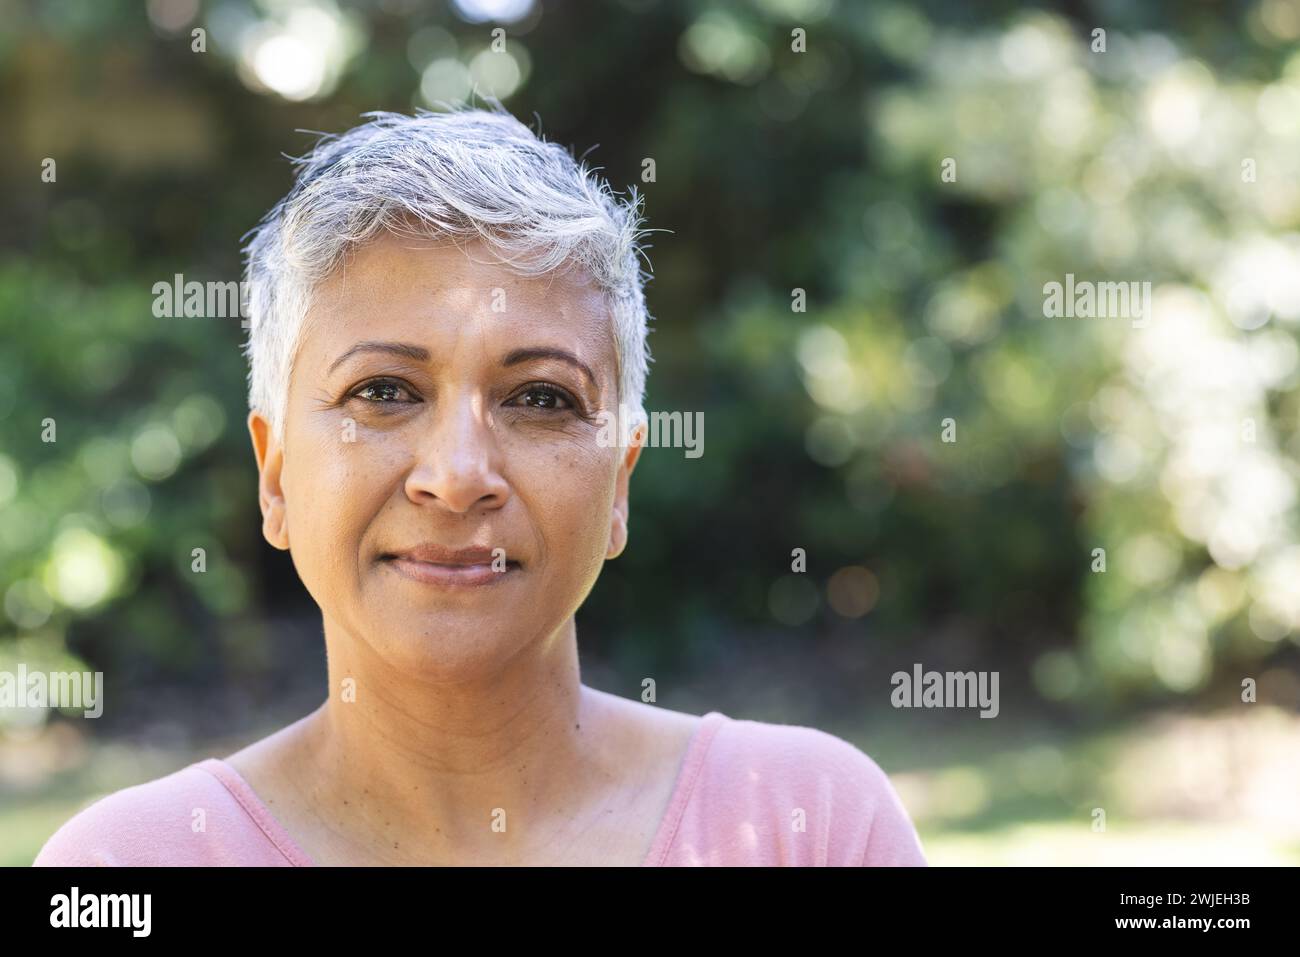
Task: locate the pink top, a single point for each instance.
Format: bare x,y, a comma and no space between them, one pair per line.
748,793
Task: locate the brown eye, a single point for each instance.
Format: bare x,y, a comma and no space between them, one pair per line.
382,392
544,397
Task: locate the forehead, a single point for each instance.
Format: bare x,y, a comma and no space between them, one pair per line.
440,294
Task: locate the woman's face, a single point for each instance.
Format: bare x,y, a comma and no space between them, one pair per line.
441,486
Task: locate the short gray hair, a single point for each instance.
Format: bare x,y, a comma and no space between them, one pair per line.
465,174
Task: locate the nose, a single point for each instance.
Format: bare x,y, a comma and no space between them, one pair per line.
457,468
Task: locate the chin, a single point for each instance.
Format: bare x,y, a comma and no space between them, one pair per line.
450,644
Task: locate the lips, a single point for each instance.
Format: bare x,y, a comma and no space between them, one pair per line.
438,565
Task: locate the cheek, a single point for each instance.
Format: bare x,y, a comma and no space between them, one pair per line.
334,488
568,489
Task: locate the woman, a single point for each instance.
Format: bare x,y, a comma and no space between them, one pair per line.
444,311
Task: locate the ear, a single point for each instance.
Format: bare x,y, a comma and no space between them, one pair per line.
270,495
618,516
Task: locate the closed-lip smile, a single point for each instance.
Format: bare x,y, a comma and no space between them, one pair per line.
432,564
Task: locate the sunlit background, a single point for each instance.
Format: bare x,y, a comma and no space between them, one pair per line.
1172,157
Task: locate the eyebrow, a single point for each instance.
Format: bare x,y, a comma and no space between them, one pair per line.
527,355
404,349
409,350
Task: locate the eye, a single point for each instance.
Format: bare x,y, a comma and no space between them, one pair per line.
383,392
544,396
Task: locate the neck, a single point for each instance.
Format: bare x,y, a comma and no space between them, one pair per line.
482,767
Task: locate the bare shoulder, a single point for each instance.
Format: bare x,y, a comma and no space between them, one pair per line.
269,764
646,728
